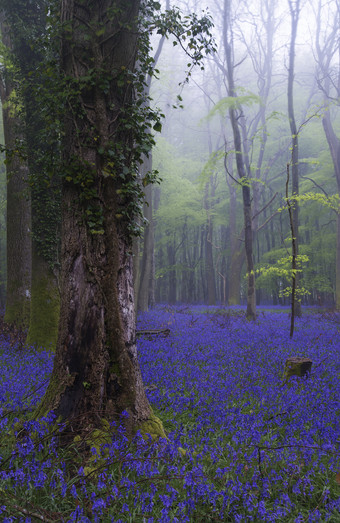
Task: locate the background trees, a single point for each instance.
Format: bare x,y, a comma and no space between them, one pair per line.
261,37
197,212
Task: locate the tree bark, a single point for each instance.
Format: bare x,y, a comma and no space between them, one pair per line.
45,304
96,372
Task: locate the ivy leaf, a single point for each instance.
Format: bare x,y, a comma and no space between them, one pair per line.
157,127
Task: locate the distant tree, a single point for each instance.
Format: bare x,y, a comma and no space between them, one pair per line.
234,115
328,77
294,7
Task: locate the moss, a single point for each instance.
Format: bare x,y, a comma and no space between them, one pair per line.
96,440
52,395
18,311
114,369
154,427
45,307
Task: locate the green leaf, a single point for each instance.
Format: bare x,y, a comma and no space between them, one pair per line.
157,127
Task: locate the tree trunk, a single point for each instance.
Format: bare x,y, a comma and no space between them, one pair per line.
45,189
241,170
294,11
96,372
334,147
209,259
172,277
45,305
146,271
18,210
237,252
236,264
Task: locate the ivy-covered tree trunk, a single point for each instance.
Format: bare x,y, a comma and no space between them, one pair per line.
18,208
96,372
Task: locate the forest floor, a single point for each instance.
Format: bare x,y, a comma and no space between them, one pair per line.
243,445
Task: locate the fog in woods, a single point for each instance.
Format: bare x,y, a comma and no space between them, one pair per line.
265,106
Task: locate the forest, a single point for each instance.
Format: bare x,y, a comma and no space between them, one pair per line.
169,261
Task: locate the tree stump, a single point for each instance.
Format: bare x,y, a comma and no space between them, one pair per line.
297,367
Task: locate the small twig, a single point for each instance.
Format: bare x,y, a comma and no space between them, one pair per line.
277,415
154,332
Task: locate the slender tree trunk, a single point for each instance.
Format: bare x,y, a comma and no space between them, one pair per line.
237,252
172,277
96,372
241,170
337,269
294,6
147,264
209,259
334,147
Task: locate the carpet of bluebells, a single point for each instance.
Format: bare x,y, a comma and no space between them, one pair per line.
242,444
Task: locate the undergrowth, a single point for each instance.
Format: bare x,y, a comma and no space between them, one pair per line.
242,444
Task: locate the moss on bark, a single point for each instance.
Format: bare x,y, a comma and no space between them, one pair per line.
153,426
18,311
45,307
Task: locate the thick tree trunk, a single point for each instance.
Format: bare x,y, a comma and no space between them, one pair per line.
45,192
45,305
96,372
18,296
18,209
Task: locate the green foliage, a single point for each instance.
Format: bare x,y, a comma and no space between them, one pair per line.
279,273
223,106
214,163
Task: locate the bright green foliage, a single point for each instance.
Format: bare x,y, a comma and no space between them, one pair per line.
222,107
